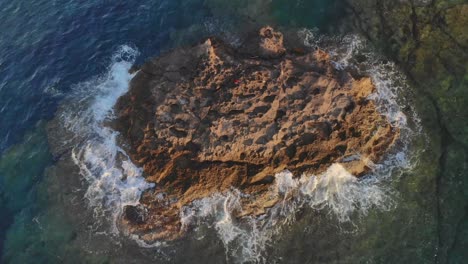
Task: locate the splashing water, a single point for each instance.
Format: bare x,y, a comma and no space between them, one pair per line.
114,181
246,240
342,192
335,189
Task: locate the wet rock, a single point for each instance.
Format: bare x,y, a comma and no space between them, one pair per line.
134,214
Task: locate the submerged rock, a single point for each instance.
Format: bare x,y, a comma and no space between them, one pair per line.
212,117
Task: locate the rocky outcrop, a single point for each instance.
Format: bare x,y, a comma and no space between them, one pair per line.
205,119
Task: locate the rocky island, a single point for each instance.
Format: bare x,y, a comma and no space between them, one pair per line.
212,117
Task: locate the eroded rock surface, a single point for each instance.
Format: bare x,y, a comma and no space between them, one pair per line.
204,119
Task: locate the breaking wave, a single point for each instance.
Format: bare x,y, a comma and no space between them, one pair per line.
335,190
113,180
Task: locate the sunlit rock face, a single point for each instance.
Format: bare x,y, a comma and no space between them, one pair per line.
208,118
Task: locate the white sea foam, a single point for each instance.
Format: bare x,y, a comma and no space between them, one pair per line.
246,239
335,190
114,181
343,193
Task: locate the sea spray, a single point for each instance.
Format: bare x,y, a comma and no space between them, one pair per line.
389,81
335,190
342,193
113,180
244,238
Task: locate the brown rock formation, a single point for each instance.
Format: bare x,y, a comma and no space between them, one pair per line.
204,119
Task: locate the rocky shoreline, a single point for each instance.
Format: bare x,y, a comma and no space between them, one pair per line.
208,118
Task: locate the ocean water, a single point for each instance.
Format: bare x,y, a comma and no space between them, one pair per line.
63,65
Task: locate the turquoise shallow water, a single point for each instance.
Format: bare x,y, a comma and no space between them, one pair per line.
49,48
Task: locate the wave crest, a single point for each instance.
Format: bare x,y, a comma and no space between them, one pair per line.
113,180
